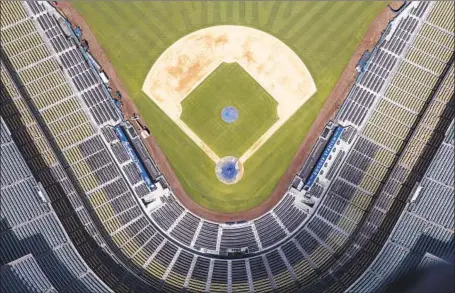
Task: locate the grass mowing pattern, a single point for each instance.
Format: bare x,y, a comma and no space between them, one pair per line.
229,85
323,34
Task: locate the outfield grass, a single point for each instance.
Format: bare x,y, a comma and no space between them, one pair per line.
323,34
229,85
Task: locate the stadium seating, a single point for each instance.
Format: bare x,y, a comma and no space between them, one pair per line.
208,236
238,237
36,252
185,229
86,217
269,231
425,227
288,214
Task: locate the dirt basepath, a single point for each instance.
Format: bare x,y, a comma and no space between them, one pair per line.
327,112
184,65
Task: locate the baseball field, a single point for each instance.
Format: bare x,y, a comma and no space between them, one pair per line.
135,34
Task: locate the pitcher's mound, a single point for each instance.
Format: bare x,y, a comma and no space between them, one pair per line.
229,114
229,170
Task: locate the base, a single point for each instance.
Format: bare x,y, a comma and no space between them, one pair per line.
229,170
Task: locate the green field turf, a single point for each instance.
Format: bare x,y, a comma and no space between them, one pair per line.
323,34
229,85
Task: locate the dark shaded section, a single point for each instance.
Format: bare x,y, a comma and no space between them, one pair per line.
436,278
58,274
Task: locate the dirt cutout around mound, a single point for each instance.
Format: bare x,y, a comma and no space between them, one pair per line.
331,105
185,64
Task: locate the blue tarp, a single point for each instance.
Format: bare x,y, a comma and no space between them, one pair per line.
325,154
121,135
78,32
362,64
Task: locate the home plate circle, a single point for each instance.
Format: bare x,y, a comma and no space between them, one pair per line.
229,114
229,170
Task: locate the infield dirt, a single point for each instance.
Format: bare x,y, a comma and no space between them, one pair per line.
190,60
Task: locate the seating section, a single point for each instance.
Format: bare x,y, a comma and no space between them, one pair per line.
25,275
199,275
184,231
304,268
239,276
132,174
219,280
289,214
60,127
259,275
269,230
179,272
331,235
382,208
425,228
208,236
283,279
120,153
168,213
429,260
36,253
387,158
238,237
